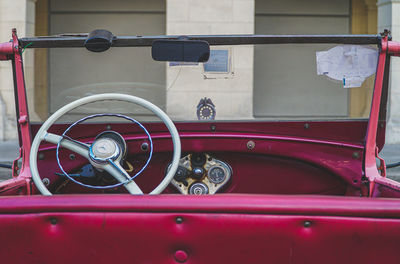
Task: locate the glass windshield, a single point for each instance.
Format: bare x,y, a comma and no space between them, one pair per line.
249,82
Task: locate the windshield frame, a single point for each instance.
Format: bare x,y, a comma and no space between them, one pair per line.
78,40
14,52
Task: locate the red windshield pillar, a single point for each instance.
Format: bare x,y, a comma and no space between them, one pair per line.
12,51
22,114
371,170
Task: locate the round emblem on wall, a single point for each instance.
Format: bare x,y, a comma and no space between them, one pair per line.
206,109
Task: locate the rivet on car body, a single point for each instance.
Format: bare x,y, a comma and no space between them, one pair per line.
307,223
179,220
356,155
46,181
23,120
72,156
41,156
181,256
306,126
144,146
251,144
53,221
108,127
213,128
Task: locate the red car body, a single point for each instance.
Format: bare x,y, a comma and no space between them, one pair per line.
316,194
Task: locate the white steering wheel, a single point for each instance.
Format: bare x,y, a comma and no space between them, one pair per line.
114,168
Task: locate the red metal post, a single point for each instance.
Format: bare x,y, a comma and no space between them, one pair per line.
23,115
371,170
394,48
6,49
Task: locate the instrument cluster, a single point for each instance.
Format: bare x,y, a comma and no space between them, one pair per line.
200,173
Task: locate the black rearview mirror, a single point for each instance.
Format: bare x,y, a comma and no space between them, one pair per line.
180,50
99,40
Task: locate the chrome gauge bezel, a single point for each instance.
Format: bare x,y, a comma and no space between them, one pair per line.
198,185
210,177
211,163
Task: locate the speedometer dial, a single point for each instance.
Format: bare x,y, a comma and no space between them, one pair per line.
216,174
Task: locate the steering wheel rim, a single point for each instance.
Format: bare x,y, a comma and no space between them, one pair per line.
42,134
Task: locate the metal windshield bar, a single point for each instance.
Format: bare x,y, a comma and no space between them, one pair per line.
77,40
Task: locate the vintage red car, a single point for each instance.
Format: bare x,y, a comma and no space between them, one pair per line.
276,189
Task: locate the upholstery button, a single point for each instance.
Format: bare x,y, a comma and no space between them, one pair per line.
180,256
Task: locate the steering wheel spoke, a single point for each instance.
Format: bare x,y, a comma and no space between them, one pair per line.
119,173
68,143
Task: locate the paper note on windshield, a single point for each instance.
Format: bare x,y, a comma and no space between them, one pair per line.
349,64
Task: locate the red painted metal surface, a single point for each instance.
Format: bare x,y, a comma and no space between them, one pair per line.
393,48
211,229
371,170
223,203
6,49
385,187
181,256
342,131
318,161
275,165
14,186
22,115
207,238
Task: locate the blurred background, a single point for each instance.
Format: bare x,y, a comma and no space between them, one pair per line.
45,82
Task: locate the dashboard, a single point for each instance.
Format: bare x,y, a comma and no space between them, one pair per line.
219,162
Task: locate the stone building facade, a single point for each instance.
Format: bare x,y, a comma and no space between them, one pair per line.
184,17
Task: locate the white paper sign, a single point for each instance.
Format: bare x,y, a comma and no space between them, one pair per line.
350,64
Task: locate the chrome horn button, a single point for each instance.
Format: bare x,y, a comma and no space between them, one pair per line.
104,149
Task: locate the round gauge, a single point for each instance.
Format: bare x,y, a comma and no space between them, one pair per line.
216,174
198,188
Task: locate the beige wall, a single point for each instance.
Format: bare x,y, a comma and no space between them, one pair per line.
186,85
194,17
364,21
286,84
